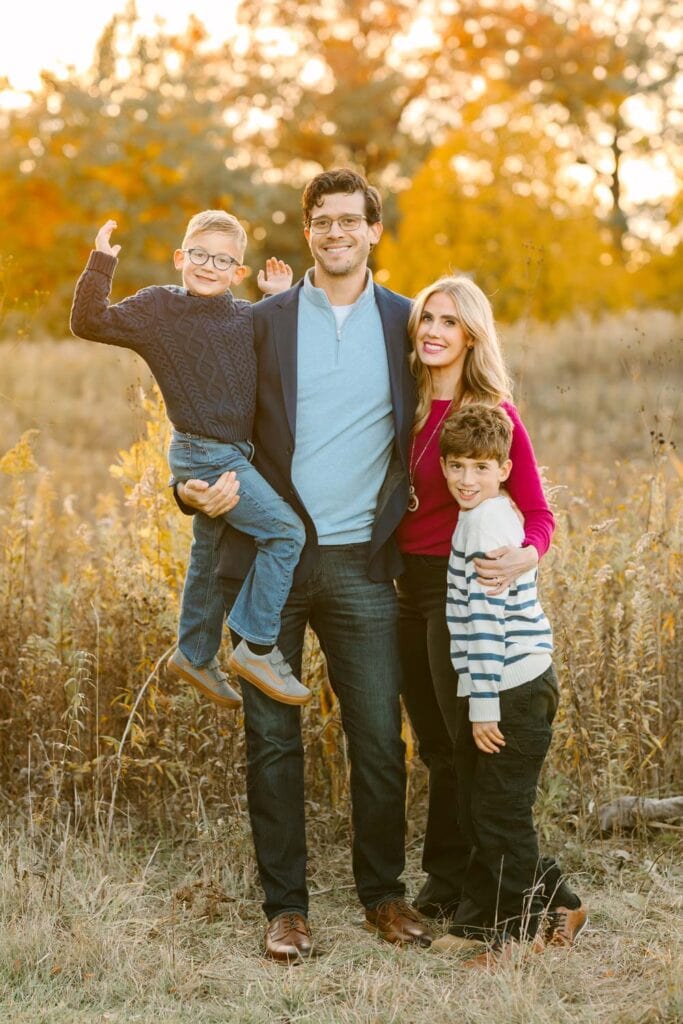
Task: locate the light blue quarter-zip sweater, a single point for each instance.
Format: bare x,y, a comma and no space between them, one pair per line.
344,420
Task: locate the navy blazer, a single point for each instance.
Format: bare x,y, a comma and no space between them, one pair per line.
275,338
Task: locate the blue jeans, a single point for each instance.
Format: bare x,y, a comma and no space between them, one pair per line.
355,620
279,537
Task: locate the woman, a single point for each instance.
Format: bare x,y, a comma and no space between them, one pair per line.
456,359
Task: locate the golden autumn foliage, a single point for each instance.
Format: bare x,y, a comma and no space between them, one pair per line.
491,202
19,460
163,125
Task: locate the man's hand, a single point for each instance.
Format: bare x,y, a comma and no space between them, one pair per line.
488,737
102,243
213,500
501,567
277,277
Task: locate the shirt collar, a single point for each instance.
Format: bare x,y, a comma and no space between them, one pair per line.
318,296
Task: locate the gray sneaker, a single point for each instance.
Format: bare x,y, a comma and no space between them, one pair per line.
270,673
209,680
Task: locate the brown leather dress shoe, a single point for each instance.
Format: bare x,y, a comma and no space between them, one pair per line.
288,939
396,921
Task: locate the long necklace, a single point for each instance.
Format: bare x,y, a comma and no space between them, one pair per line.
413,500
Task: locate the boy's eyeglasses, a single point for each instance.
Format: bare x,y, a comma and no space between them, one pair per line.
347,222
221,260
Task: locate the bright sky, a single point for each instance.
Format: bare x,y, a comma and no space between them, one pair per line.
54,35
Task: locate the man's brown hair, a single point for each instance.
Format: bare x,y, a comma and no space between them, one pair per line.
343,179
477,431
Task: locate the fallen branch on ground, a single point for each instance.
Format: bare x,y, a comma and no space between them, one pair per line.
627,811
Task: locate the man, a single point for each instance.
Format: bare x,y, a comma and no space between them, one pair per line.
334,411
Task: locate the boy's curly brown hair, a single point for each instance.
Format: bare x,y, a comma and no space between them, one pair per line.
477,431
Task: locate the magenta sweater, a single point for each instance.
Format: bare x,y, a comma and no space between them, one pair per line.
429,530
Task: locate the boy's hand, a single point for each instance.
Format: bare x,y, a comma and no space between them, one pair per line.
102,243
488,737
277,277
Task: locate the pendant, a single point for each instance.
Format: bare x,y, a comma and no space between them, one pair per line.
413,500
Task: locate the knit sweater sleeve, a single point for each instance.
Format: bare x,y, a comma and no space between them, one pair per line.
525,488
128,324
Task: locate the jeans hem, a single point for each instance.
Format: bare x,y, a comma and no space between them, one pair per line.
193,661
248,636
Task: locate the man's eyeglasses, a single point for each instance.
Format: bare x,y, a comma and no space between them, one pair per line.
347,222
221,260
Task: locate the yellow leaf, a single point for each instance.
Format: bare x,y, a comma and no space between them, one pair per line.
19,460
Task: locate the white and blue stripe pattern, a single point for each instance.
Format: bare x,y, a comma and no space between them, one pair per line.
496,642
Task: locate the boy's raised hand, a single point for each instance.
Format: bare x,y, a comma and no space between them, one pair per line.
488,737
276,278
102,243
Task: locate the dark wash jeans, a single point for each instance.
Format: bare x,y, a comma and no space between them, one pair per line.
355,620
508,884
430,694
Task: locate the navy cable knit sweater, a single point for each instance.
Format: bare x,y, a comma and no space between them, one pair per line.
200,350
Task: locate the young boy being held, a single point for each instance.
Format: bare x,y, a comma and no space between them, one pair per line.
198,342
501,648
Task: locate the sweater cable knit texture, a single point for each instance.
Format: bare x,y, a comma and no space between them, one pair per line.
199,349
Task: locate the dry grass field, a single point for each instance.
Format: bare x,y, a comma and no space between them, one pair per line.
162,933
128,889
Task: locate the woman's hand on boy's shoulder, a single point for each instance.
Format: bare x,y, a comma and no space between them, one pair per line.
501,567
103,236
276,278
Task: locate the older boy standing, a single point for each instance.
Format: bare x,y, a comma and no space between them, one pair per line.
501,649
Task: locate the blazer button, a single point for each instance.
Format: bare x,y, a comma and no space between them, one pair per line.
290,449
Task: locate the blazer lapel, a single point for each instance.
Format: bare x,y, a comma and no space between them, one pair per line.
394,328
284,325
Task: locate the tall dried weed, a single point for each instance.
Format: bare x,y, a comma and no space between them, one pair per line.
93,732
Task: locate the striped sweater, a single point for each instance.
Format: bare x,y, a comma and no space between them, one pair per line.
496,642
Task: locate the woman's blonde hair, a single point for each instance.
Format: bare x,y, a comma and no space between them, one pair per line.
484,377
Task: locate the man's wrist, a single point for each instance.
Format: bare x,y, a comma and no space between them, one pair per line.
180,499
